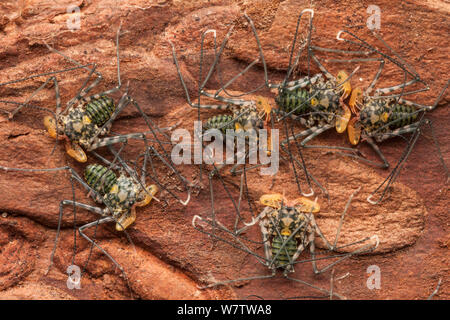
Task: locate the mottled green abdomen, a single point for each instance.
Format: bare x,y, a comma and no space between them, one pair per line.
100,110
222,121
100,178
401,115
289,100
283,258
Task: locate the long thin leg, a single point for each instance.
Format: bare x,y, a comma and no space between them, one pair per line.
225,86
114,140
362,43
221,227
397,87
309,133
238,102
374,146
84,88
403,62
327,292
170,165
175,60
303,166
291,160
334,246
221,283
299,83
310,175
261,58
365,249
94,223
153,128
86,66
58,98
435,290
393,175
340,51
290,65
321,67
61,211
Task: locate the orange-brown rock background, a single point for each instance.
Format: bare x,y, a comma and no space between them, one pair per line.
171,258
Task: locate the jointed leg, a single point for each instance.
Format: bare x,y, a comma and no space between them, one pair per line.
334,247
61,211
292,161
58,98
327,292
170,165
84,88
219,226
96,223
415,128
377,150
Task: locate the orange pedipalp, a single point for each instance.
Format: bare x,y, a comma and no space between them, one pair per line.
346,86
75,151
342,121
126,220
272,200
264,105
355,99
152,190
306,205
354,134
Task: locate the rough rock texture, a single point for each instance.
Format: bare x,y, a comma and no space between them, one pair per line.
168,258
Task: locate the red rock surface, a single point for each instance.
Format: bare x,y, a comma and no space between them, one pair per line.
170,258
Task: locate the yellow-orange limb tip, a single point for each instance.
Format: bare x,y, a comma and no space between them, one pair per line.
126,220
354,134
76,152
307,205
346,87
355,98
49,123
342,120
151,191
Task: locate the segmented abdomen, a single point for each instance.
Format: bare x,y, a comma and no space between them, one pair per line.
100,178
100,110
218,121
291,247
402,115
289,100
